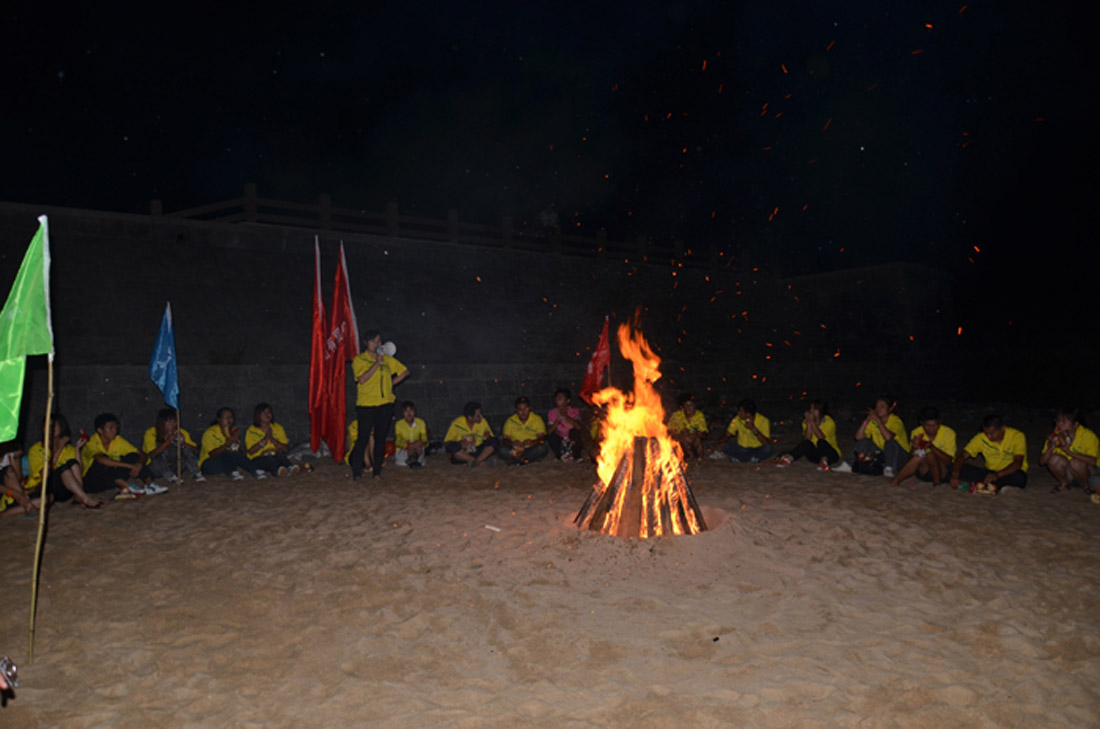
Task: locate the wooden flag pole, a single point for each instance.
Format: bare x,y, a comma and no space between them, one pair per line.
179,448
47,459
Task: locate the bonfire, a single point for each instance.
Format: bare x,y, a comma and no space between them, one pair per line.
642,491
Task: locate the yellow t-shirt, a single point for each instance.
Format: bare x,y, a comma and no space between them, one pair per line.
517,431
212,439
149,443
945,439
378,390
405,433
894,425
116,449
745,437
459,429
679,422
1085,443
37,454
999,455
826,426
254,435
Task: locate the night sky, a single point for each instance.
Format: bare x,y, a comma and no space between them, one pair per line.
809,136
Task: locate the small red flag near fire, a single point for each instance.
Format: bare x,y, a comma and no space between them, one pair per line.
601,360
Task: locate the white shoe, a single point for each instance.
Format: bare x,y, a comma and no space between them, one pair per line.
236,475
888,472
823,465
198,477
170,477
716,455
136,488
261,474
153,489
843,467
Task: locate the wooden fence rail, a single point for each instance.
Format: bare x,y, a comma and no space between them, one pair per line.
251,208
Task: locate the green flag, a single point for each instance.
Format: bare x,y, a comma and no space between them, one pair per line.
25,327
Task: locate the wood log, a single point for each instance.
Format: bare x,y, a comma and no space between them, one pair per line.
692,502
607,498
630,520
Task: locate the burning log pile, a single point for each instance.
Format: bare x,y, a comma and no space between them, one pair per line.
629,506
643,491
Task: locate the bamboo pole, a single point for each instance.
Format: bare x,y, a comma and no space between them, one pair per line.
179,448
47,459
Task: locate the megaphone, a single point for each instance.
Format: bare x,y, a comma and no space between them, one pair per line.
388,348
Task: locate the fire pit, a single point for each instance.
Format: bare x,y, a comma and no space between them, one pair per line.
642,491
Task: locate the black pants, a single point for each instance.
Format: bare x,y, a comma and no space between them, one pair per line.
973,474
814,453
374,419
102,478
554,441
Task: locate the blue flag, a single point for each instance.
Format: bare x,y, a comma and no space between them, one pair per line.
162,367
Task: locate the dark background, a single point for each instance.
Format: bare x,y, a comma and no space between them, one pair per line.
798,137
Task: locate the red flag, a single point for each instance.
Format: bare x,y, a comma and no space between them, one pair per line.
317,371
601,360
341,347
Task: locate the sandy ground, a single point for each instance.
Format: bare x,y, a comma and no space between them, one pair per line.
815,600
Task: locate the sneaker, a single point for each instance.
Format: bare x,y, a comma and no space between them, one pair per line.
784,461
170,477
843,467
236,475
198,477
136,488
888,472
716,455
294,470
153,489
823,465
281,472
261,474
734,460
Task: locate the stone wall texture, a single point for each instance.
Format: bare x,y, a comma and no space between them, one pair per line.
471,322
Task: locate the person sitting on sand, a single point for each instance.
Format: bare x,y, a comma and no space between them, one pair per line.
933,450
66,479
1070,451
169,447
523,436
469,439
753,433
1004,451
410,439
14,499
688,426
221,449
111,461
880,438
266,444
566,428
818,444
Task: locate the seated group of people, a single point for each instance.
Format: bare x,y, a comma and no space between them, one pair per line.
105,460
470,439
882,446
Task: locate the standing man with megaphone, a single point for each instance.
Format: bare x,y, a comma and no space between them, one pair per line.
376,373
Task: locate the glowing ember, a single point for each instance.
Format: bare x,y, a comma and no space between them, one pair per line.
642,490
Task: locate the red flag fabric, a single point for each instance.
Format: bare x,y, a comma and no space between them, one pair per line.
341,346
317,370
601,359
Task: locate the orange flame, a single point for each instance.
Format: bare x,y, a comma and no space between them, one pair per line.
640,414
